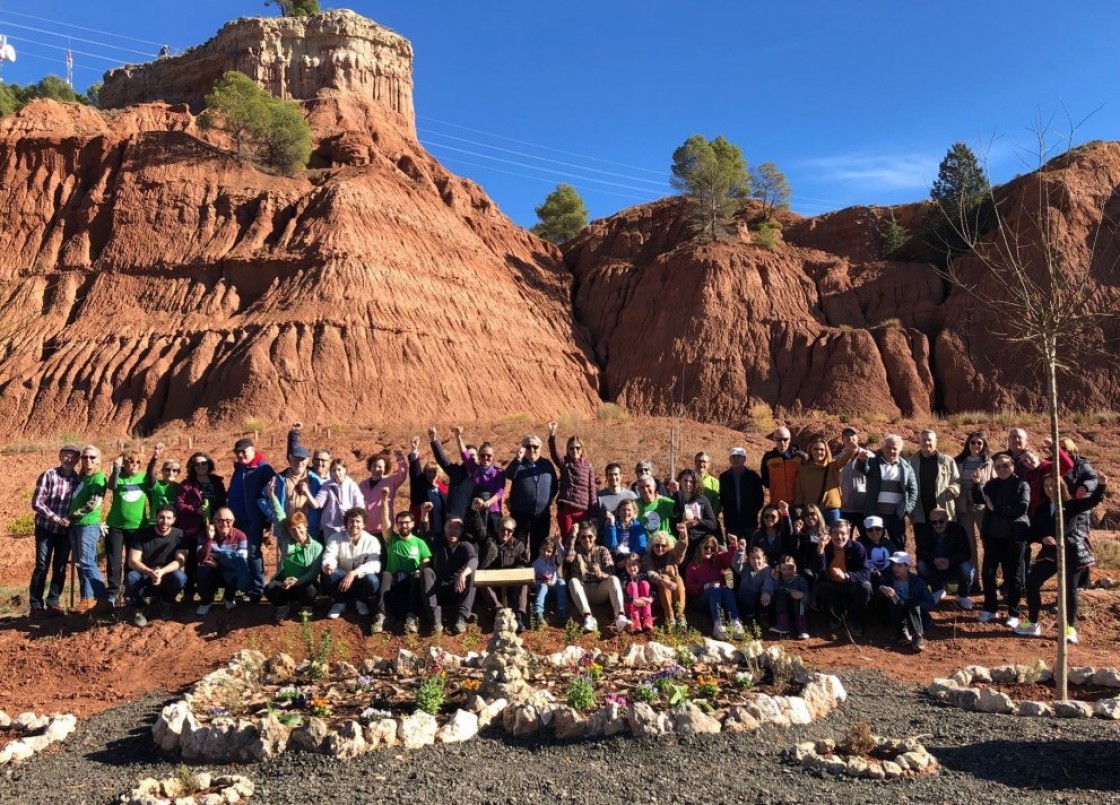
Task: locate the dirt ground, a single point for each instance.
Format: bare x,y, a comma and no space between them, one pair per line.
84,665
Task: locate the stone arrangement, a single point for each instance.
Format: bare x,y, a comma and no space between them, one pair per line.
505,698
964,688
886,759
36,733
195,788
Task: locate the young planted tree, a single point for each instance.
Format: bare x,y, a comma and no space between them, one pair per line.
713,173
1040,289
562,216
770,186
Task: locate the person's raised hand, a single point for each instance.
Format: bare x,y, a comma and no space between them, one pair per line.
415,443
384,493
457,430
552,426
432,436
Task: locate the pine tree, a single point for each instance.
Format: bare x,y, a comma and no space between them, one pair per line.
562,215
713,173
272,128
770,186
962,197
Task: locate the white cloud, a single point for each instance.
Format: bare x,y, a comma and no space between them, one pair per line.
880,171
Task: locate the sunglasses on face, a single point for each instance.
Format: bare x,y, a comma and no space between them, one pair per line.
90,458
939,522
172,470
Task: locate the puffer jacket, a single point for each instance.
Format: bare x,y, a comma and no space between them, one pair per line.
577,480
779,473
1005,516
819,484
1077,514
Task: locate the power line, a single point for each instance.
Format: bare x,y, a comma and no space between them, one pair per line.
539,145
83,28
491,168
660,184
77,39
63,47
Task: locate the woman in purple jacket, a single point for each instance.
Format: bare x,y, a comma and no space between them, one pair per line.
576,496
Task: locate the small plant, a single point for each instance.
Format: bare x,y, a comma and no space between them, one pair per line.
288,694
766,236
363,684
255,424
471,639
744,680
859,740
22,526
590,669
219,713
572,631
685,657
292,720
187,782
581,693
644,692
430,694
611,412
374,714
470,685
320,706
318,654
707,687
784,670
762,417
704,705
617,699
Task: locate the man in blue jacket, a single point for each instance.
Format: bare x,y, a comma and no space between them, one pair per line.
843,578
251,474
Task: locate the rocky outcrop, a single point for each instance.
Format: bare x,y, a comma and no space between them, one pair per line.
291,57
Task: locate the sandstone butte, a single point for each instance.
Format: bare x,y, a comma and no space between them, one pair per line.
148,276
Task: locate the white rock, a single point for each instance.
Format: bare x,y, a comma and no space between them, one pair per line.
490,712
271,739
1107,708
689,719
943,688
714,652
1003,674
417,730
977,674
5,720
311,737
992,701
795,709
1071,708
61,727
645,722
568,656
37,743
15,752
406,663
168,729
524,719
1107,677
568,723
1036,709
348,742
382,733
658,654
1081,675
766,711
891,769
634,656
966,698
609,720
739,719
462,726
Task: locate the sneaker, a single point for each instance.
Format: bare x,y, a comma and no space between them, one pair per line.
411,625
965,603
282,612
459,627
738,631
437,628
1013,622
231,603
378,624
670,624
363,608
139,619
918,644
719,631
905,637
776,629
203,609
802,635
337,610
937,596
1028,629
986,617
1071,635
589,623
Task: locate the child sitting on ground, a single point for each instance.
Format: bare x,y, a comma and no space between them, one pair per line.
791,600
639,598
756,584
547,578
879,547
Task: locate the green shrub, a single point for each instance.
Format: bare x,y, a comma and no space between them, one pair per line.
429,696
263,126
766,236
581,694
22,526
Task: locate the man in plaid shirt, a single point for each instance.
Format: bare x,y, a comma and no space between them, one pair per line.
51,504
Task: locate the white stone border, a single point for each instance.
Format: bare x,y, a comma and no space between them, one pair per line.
39,732
221,789
243,740
957,690
909,758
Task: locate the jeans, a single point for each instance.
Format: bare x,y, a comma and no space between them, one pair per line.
936,578
255,537
1010,555
907,616
52,552
715,599
139,586
116,545
83,547
560,587
363,588
230,570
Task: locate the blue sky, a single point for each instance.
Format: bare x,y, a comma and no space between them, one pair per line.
855,101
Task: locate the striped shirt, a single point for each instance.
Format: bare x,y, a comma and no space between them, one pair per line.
51,501
891,490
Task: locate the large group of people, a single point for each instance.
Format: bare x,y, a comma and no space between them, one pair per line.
847,534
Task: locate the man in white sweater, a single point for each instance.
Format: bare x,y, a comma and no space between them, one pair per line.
351,565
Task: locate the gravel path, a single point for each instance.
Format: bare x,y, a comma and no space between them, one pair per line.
985,759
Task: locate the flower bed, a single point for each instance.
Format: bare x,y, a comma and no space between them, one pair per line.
256,708
989,690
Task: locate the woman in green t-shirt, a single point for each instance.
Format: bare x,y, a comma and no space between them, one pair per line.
126,516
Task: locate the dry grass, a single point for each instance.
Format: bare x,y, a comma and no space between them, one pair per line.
255,424
1011,418
762,418
22,526
1098,417
613,414
1106,548
896,323
878,419
968,418
22,448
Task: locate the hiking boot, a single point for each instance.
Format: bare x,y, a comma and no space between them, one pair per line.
38,613
378,625
54,611
139,619
781,626
281,612
905,637
437,628
411,624
231,603
85,606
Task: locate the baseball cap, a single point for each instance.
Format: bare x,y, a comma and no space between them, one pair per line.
873,522
70,448
299,451
242,444
736,451
900,558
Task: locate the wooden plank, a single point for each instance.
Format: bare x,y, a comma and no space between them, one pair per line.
503,578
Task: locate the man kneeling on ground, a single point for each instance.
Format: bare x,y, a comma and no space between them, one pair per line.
351,562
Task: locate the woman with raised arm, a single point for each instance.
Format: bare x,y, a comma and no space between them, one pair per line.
488,479
575,498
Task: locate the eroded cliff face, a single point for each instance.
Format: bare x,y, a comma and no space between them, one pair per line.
291,57
147,275
823,322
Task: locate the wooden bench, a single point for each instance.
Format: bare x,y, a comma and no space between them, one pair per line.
504,578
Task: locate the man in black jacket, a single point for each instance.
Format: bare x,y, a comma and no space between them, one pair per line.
943,555
740,495
454,562
459,482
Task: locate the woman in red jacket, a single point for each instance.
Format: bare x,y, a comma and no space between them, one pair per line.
576,496
707,587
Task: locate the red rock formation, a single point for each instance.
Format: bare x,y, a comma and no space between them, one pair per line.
147,276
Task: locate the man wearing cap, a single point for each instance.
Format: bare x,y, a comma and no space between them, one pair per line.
645,468
943,555
318,473
297,489
780,467
251,474
709,484
740,495
939,478
50,501
892,488
908,602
